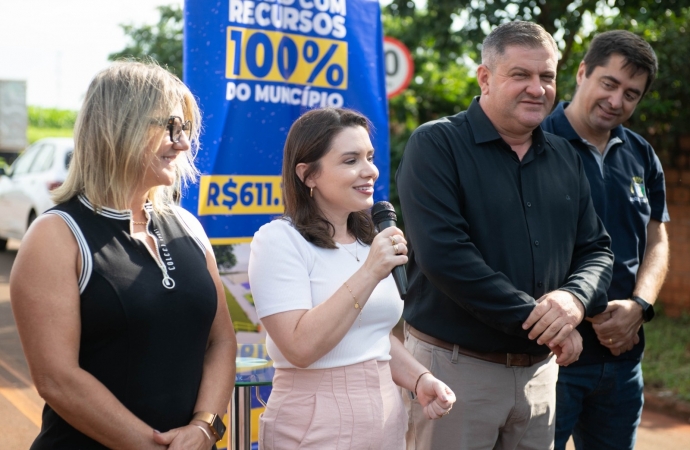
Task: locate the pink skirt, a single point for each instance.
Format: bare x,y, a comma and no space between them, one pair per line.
351,407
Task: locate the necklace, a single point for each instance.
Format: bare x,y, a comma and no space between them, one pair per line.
354,255
145,222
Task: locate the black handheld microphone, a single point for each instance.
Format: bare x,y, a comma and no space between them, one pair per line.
384,216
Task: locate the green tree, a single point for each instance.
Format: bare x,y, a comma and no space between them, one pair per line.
445,39
161,42
436,90
459,26
225,257
661,116
51,117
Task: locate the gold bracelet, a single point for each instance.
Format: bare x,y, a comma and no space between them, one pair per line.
356,304
353,296
419,378
204,431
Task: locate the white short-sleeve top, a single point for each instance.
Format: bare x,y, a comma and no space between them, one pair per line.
288,273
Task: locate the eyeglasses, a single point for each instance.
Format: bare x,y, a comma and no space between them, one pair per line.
175,126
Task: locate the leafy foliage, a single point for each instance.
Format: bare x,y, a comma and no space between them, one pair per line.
225,257
461,25
445,39
35,133
51,117
437,90
161,42
49,122
661,116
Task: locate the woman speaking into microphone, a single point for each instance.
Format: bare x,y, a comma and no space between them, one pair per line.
320,277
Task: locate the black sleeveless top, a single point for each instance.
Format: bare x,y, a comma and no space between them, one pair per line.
145,325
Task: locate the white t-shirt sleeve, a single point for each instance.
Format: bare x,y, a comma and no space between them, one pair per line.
279,266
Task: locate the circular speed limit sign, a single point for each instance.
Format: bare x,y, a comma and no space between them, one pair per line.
399,66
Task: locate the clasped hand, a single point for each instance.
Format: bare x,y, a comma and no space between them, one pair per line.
553,323
617,326
189,437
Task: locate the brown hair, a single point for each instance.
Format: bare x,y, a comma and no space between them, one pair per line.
637,53
517,33
309,139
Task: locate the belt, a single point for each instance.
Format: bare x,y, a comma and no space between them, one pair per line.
507,359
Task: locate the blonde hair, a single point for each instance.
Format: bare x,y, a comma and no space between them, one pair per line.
120,118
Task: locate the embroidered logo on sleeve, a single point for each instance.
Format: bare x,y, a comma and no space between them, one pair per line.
638,191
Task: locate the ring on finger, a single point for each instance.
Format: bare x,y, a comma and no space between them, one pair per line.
393,241
610,340
395,249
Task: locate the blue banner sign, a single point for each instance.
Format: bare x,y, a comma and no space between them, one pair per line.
256,66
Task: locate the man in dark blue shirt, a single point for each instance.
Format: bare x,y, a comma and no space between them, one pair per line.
506,253
599,398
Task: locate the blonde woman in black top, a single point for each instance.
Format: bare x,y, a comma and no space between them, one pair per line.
116,294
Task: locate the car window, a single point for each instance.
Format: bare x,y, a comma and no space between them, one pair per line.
68,158
44,159
23,163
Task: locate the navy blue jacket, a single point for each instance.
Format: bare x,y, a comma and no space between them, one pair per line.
630,192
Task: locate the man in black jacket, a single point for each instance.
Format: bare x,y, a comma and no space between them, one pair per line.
507,254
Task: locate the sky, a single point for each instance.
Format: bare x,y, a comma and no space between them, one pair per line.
57,46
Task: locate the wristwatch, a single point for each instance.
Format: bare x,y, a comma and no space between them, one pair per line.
647,309
215,423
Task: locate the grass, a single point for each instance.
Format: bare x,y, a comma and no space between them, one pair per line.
240,320
34,133
666,362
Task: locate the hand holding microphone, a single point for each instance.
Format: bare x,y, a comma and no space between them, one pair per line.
384,217
384,255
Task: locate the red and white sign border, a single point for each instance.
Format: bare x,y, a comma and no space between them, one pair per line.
404,50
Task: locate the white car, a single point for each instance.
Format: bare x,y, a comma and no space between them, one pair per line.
25,187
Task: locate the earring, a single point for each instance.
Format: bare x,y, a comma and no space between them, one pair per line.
311,192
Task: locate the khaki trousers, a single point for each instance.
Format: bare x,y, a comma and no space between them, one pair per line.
497,407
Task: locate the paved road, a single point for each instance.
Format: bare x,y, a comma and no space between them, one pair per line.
20,405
